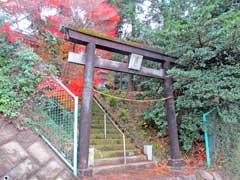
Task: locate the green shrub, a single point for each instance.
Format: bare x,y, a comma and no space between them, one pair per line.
111,101
154,117
17,75
123,113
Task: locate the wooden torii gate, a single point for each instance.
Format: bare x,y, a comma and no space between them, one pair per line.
93,41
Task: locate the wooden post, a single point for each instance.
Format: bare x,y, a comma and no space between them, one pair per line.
130,83
120,81
86,111
175,160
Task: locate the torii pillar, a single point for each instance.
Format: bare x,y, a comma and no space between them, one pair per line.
86,111
175,160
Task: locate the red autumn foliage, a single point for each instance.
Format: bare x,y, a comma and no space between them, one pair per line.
99,15
96,15
5,28
104,17
11,35
43,55
51,88
197,154
76,85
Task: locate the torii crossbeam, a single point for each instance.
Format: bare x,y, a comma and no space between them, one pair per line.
92,41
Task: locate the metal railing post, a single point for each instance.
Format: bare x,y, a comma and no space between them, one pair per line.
105,125
124,149
75,136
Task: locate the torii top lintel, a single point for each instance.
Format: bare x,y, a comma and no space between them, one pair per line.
115,45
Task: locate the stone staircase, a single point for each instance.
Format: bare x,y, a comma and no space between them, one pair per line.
108,153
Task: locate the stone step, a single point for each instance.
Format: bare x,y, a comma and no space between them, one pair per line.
109,135
100,120
100,123
101,126
112,147
97,121
119,160
115,153
123,167
97,110
100,131
102,136
108,141
97,117
97,114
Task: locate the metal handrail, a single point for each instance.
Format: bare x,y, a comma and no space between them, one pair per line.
105,128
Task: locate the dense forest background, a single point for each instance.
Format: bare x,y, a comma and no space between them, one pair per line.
205,37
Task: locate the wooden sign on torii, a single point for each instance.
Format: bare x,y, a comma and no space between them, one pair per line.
90,61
